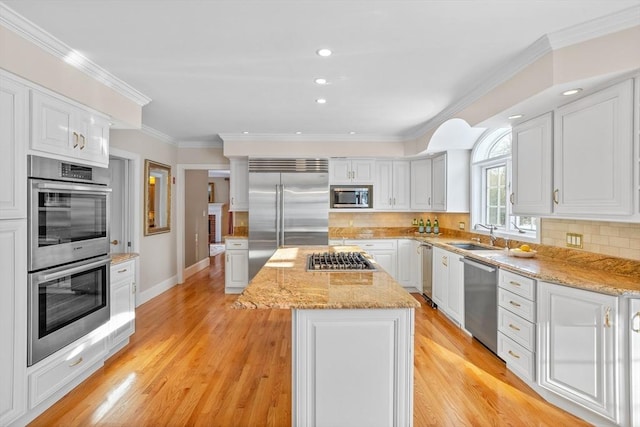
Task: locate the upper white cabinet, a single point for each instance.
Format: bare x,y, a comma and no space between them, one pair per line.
351,171
64,129
579,347
450,181
593,154
392,185
14,119
532,150
421,184
239,185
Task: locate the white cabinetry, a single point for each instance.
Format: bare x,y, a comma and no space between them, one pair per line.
123,305
239,185
67,130
421,185
579,347
383,251
593,154
409,266
532,150
450,181
448,284
634,360
13,320
236,266
516,323
392,187
351,171
14,116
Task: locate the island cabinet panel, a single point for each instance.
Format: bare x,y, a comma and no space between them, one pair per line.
634,345
353,367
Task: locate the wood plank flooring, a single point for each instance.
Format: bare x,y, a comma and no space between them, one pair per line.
194,361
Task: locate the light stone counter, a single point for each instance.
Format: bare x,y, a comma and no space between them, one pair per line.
118,258
284,283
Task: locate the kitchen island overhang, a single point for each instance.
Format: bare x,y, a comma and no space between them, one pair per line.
352,339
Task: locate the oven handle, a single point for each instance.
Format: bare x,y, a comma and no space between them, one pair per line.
73,270
73,187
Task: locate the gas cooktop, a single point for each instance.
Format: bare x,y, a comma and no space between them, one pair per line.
338,261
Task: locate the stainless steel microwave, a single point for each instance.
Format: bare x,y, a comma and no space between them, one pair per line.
351,196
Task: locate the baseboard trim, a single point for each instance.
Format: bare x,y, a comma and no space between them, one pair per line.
156,290
193,269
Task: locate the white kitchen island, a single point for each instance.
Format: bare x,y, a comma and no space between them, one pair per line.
352,340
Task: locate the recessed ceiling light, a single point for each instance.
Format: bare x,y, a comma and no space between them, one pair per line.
245,132
321,101
515,116
572,91
324,52
298,133
321,81
352,133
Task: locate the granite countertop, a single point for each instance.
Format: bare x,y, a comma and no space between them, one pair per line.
119,258
284,283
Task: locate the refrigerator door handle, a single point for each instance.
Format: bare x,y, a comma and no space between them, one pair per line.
282,215
278,214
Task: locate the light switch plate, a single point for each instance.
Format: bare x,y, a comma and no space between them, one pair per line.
575,240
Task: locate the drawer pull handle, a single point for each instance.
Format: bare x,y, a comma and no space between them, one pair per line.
607,317
76,363
122,271
515,304
515,283
513,354
633,323
514,327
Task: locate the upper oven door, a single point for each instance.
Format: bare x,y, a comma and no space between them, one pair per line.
67,222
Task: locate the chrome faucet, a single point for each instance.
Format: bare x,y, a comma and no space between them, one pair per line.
491,229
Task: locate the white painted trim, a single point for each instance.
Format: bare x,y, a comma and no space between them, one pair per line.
194,268
156,290
180,190
44,40
200,144
158,135
233,137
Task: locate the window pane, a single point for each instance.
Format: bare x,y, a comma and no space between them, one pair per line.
495,194
501,147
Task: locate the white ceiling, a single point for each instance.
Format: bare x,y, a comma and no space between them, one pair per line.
226,67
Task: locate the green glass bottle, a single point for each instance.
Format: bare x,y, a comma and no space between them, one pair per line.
436,226
428,230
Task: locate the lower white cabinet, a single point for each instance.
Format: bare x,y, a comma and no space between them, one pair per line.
236,265
13,320
580,352
448,284
383,251
123,304
634,360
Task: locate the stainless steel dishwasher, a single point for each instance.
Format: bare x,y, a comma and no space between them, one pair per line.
481,302
427,271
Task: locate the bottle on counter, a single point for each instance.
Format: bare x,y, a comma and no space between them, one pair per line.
421,226
428,228
436,226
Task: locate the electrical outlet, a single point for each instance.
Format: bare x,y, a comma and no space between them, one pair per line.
350,223
575,240
461,225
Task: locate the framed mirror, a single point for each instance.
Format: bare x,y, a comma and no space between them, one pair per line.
212,195
157,197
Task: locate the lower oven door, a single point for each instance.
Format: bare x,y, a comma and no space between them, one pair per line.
66,303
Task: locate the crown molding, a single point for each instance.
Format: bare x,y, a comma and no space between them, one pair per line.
233,137
200,144
36,35
158,135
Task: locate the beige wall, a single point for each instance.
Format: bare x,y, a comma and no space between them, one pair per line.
221,189
30,62
196,217
157,252
204,156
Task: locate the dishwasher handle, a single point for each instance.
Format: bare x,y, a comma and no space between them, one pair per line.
484,267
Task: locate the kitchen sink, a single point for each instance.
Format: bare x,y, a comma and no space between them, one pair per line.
471,247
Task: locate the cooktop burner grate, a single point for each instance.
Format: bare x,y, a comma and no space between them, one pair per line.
339,261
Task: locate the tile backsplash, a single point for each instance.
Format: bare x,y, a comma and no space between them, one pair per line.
605,238
394,219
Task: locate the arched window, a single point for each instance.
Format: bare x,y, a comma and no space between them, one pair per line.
491,187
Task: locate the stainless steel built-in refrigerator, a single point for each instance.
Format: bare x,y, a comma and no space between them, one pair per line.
288,206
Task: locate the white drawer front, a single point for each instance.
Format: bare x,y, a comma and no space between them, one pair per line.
521,331
517,304
374,244
55,374
523,286
519,360
236,243
122,271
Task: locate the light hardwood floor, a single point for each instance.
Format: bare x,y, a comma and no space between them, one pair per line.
194,361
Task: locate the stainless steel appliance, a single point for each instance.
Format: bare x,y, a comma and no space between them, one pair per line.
66,303
68,212
68,246
351,196
288,206
339,261
427,272
481,302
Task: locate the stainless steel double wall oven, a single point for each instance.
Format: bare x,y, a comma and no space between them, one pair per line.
68,258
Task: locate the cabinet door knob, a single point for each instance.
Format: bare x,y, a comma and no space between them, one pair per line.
555,196
635,320
514,355
511,197
114,242
607,317
75,139
515,304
